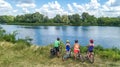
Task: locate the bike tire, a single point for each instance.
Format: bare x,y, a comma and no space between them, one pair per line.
81,58
64,57
91,59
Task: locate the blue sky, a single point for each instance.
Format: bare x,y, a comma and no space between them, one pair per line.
109,8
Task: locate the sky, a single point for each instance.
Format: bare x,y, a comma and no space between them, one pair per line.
98,8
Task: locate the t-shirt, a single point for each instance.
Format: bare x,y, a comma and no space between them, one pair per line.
67,47
91,46
57,43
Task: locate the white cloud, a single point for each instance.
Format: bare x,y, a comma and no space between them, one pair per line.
110,2
70,8
15,11
24,1
5,7
92,7
51,9
26,5
110,8
116,3
25,10
79,8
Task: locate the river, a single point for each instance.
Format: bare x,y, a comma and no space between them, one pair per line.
106,36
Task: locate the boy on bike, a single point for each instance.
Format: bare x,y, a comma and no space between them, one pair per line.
56,46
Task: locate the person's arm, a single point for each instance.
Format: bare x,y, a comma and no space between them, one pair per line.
58,43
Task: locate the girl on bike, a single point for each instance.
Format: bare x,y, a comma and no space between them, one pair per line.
90,47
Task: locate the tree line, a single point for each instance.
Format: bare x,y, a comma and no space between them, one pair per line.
75,19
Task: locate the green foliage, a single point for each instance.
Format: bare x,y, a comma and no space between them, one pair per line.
6,19
109,21
88,19
85,20
108,53
57,19
11,37
99,48
83,49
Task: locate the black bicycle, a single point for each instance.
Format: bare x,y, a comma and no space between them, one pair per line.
53,51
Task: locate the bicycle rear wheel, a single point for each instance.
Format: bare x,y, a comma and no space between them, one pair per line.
64,57
91,58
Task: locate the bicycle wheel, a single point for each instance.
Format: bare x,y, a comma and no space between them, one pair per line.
81,58
64,57
91,58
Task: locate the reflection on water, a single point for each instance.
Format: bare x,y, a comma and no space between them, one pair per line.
44,35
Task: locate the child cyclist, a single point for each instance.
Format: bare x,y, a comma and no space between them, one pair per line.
90,47
67,47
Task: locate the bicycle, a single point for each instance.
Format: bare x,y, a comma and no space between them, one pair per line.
80,57
53,51
90,57
66,56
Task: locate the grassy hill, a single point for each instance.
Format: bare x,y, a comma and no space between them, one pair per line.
21,55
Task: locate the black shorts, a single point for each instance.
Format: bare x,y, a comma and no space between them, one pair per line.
90,50
57,49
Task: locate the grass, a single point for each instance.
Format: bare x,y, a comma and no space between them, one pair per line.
22,55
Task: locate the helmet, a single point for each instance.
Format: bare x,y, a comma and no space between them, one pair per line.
67,41
58,38
91,41
76,41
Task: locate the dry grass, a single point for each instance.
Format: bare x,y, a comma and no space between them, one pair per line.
35,56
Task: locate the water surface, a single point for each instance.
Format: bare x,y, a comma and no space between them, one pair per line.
43,35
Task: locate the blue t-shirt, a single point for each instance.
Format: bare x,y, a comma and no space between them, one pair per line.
90,48
67,48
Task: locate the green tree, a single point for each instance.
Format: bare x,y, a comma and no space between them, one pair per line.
6,19
75,19
65,19
57,19
46,19
88,19
37,17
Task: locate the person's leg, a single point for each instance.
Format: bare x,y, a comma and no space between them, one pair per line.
75,54
88,53
58,53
